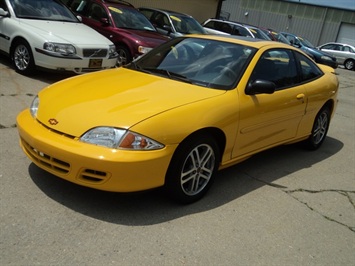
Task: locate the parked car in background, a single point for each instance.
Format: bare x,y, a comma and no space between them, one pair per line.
172,23
257,32
306,46
46,34
130,31
218,26
173,117
344,53
275,36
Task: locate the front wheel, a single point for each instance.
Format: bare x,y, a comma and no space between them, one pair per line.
349,64
124,56
319,130
22,58
192,169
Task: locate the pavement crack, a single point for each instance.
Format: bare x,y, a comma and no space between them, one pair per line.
10,126
345,193
291,192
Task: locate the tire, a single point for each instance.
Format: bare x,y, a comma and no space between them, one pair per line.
349,64
22,58
124,56
319,130
192,169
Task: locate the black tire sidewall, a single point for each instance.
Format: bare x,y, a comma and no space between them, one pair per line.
172,179
310,144
126,51
31,66
349,60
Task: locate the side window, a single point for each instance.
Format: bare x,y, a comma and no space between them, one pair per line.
160,20
291,39
226,28
3,5
147,13
309,70
347,49
337,47
329,47
77,5
96,12
278,66
241,31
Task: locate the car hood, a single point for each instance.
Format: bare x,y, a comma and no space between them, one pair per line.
118,98
145,37
68,32
316,52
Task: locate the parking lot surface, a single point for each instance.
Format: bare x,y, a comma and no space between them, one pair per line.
286,206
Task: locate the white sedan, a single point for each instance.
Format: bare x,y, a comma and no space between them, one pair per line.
46,34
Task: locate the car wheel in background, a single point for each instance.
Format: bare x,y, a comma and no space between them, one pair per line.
192,169
22,57
124,56
319,130
349,64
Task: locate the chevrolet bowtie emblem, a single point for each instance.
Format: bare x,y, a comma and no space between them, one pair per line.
53,121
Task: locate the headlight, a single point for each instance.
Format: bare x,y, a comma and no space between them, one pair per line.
144,50
119,139
112,51
61,48
34,107
324,57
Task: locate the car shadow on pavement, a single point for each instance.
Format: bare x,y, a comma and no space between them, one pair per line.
41,75
154,207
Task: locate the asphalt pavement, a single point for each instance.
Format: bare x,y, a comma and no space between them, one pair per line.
285,206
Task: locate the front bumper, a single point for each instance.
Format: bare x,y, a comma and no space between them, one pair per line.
78,65
89,165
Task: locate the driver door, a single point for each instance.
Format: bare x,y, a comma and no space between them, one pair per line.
269,119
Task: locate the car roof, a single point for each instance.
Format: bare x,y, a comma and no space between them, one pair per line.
167,12
119,2
226,21
338,43
247,41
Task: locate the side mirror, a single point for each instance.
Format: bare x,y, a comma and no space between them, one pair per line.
3,13
260,86
79,18
297,44
104,21
168,29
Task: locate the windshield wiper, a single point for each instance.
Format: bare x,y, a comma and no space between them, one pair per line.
169,74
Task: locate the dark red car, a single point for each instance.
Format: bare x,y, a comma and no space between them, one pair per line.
122,23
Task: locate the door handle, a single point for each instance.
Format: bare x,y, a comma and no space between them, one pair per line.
300,97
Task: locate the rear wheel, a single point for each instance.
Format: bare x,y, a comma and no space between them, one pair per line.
192,169
22,58
319,130
349,64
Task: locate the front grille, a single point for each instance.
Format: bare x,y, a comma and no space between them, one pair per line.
95,53
45,160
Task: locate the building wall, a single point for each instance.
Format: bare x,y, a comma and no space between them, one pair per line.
199,9
317,24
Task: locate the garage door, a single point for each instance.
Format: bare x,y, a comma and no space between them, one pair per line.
347,34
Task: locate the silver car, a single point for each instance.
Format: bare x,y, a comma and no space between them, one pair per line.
344,53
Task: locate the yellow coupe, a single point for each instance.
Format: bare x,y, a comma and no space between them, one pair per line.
175,116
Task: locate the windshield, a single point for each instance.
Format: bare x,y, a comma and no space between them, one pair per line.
203,62
306,43
259,34
43,9
186,25
130,18
280,38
